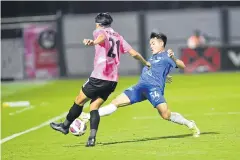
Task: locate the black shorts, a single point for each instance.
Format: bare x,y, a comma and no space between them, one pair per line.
95,88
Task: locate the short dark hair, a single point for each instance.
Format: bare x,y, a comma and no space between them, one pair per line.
104,19
197,32
161,36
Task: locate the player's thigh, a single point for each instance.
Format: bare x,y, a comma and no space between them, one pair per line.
96,103
89,89
81,98
121,100
107,87
156,98
135,94
95,88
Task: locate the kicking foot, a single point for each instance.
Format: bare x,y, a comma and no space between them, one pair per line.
91,142
195,130
59,127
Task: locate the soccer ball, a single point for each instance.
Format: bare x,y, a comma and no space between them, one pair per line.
78,127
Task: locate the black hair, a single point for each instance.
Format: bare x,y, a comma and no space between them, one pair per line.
104,19
161,36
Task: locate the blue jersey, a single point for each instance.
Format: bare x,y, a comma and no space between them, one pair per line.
161,65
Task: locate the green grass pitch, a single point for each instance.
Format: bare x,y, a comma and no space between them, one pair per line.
135,132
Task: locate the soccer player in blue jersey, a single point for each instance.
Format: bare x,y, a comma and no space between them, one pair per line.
151,85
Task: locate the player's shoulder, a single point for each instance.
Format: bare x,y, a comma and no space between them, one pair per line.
165,54
112,32
98,30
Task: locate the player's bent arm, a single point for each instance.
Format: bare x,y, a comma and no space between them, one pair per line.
100,39
180,64
137,56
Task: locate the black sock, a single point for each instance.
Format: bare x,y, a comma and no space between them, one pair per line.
73,113
94,122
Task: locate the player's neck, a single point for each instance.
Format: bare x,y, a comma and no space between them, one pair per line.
160,51
101,27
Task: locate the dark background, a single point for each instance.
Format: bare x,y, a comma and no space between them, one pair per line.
30,8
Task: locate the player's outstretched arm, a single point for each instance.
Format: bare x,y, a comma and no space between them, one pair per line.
179,63
139,57
100,39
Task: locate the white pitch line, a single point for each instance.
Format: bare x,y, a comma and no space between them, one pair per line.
37,127
204,114
21,111
33,129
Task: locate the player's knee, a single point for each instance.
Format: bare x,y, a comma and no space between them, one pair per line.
79,101
166,115
93,107
116,102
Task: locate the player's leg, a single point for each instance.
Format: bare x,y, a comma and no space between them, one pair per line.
94,120
120,101
166,114
75,111
177,118
102,91
129,96
158,101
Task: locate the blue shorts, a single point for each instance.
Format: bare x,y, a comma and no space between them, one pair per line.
141,92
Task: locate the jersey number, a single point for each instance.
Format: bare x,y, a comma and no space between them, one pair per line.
155,94
110,52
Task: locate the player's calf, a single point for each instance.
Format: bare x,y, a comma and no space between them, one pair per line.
177,118
94,121
164,111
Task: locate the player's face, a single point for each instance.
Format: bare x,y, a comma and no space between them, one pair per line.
97,25
156,45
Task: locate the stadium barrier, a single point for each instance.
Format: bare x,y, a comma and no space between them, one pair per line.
211,59
72,59
32,47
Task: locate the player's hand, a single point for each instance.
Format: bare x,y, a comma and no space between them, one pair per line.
88,42
85,41
170,53
169,79
148,65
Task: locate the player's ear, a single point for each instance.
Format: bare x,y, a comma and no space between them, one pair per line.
161,43
97,25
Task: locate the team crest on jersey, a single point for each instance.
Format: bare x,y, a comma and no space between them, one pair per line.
149,72
158,59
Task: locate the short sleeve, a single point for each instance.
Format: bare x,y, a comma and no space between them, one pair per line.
98,32
125,46
172,63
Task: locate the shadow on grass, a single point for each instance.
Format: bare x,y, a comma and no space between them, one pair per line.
144,139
